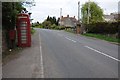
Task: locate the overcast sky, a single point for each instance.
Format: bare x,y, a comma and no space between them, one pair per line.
44,8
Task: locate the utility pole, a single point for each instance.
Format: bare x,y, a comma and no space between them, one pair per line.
60,13
78,30
79,11
88,12
60,16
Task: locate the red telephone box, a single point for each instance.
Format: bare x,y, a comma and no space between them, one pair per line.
23,30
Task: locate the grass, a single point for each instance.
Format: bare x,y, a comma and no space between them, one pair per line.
69,30
11,55
103,37
32,30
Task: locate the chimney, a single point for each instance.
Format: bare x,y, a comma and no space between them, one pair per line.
74,16
67,16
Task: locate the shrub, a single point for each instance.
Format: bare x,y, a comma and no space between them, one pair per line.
102,27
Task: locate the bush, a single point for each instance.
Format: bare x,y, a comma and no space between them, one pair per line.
102,27
61,27
32,30
53,26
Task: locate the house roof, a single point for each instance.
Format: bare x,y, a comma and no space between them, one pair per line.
112,16
73,19
109,16
68,21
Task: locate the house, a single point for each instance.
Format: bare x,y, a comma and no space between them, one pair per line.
110,18
68,22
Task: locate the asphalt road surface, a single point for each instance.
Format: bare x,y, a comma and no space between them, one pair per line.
59,54
71,56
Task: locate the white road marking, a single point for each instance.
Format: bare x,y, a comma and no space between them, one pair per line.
41,59
102,53
70,39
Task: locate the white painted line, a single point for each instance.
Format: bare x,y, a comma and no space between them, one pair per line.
102,53
41,59
70,39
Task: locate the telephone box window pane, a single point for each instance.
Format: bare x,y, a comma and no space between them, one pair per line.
23,24
23,31
24,41
23,34
23,37
23,28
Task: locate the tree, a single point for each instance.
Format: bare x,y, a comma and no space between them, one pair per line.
48,18
38,23
95,13
28,3
9,12
52,20
46,24
57,22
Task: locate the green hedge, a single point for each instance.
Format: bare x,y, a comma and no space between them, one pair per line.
103,27
103,37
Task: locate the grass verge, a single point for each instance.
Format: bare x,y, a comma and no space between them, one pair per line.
71,31
11,55
102,37
32,30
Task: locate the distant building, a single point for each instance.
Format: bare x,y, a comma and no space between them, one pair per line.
111,18
68,22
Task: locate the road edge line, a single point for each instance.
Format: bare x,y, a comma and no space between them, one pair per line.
102,53
70,39
41,59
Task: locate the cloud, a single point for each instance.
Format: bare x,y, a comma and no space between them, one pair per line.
44,8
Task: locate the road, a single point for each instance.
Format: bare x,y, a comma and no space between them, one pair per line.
59,54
